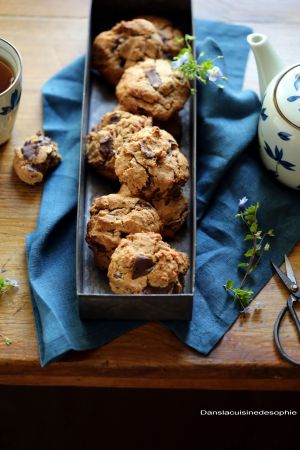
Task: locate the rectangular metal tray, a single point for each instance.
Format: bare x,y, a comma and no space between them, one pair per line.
96,301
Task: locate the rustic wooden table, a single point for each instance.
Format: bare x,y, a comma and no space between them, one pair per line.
49,34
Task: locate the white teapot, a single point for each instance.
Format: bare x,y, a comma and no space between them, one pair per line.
279,122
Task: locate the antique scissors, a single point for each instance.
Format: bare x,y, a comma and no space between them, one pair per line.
290,283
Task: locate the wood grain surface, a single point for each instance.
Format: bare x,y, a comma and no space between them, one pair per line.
49,34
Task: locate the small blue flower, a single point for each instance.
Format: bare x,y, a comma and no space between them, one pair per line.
183,59
243,201
246,310
215,74
13,283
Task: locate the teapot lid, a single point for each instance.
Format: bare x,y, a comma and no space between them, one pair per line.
287,96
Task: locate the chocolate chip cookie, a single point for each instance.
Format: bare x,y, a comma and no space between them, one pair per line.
153,88
104,140
37,156
169,35
150,164
113,217
124,45
144,264
173,210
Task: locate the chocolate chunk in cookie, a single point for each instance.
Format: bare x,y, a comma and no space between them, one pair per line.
141,266
144,264
153,77
35,158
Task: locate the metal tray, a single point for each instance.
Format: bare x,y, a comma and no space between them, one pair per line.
96,301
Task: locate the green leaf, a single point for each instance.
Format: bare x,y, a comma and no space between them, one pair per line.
267,247
249,253
189,37
270,233
243,265
229,285
250,218
250,210
253,228
7,341
249,237
243,296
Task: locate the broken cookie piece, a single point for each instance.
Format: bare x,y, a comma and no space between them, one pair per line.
37,156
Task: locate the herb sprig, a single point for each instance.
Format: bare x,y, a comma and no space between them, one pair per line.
193,69
259,245
5,285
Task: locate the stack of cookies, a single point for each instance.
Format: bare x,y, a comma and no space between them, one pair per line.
127,228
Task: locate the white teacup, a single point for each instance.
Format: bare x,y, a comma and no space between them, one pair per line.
10,98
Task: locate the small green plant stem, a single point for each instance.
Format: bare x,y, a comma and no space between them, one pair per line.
258,247
251,261
6,339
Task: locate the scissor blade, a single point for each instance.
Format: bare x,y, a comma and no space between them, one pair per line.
289,270
286,281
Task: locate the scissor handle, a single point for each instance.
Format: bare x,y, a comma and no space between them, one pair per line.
289,307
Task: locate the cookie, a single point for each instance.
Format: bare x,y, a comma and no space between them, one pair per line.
153,88
173,211
150,164
144,264
105,139
169,35
113,217
37,156
123,46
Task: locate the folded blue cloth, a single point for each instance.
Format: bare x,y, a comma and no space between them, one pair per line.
227,170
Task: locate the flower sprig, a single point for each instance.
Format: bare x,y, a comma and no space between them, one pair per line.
259,245
194,69
5,285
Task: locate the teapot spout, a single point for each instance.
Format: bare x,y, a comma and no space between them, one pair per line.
268,62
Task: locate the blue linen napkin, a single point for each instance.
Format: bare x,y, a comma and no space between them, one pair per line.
227,169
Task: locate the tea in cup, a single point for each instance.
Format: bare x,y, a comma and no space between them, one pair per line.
10,87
